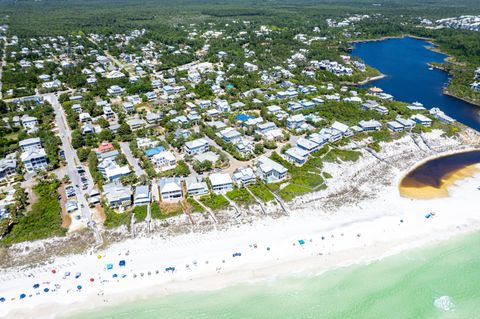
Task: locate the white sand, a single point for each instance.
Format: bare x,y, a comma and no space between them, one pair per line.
370,224
359,233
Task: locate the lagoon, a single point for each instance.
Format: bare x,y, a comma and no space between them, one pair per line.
404,61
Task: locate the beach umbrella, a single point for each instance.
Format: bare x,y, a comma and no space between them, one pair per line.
54,271
99,257
22,296
2,299
36,286
115,276
46,290
79,287
92,280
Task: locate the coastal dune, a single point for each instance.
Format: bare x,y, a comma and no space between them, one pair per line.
360,217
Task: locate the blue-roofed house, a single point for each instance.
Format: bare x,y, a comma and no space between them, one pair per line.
153,151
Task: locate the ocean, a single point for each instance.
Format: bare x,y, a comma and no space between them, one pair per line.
437,281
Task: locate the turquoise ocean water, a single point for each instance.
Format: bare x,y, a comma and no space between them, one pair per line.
438,281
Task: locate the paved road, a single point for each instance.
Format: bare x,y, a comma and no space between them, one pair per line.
73,162
131,159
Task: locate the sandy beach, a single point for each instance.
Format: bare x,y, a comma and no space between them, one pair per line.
313,238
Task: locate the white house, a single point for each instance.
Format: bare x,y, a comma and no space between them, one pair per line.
170,189
270,171
221,182
197,146
34,159
164,160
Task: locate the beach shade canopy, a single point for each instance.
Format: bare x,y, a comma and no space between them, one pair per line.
22,296
78,274
2,299
124,275
46,290
301,241
428,215
36,286
122,263
79,287
114,275
109,266
237,255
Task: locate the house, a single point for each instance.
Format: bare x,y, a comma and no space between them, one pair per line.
108,112
295,122
34,159
85,117
249,67
408,124
229,135
296,155
265,127
344,129
29,123
307,145
141,195
136,123
274,109
441,116
146,142
170,189
318,139
270,171
115,90
153,151
164,160
128,107
104,147
151,96
195,186
244,176
294,106
30,143
196,146
222,105
395,126
117,195
8,167
221,182
330,134
153,117
369,126
77,108
475,86
87,129
115,172
421,119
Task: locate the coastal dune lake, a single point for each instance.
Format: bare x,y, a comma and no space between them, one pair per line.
434,177
404,61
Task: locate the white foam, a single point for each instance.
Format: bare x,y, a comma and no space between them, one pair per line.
444,303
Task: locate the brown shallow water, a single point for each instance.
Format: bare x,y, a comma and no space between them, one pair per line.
433,178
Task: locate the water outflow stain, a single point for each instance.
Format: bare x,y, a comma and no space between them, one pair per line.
433,178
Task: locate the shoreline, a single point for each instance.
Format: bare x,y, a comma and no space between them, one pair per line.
378,223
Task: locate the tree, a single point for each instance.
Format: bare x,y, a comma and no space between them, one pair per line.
83,154
77,139
258,149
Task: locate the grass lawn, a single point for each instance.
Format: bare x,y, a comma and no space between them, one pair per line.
194,206
262,192
165,210
291,191
344,155
215,202
241,196
115,219
140,213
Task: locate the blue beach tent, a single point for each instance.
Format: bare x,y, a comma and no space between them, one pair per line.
301,241
109,266
122,263
46,290
79,287
2,299
22,296
36,286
